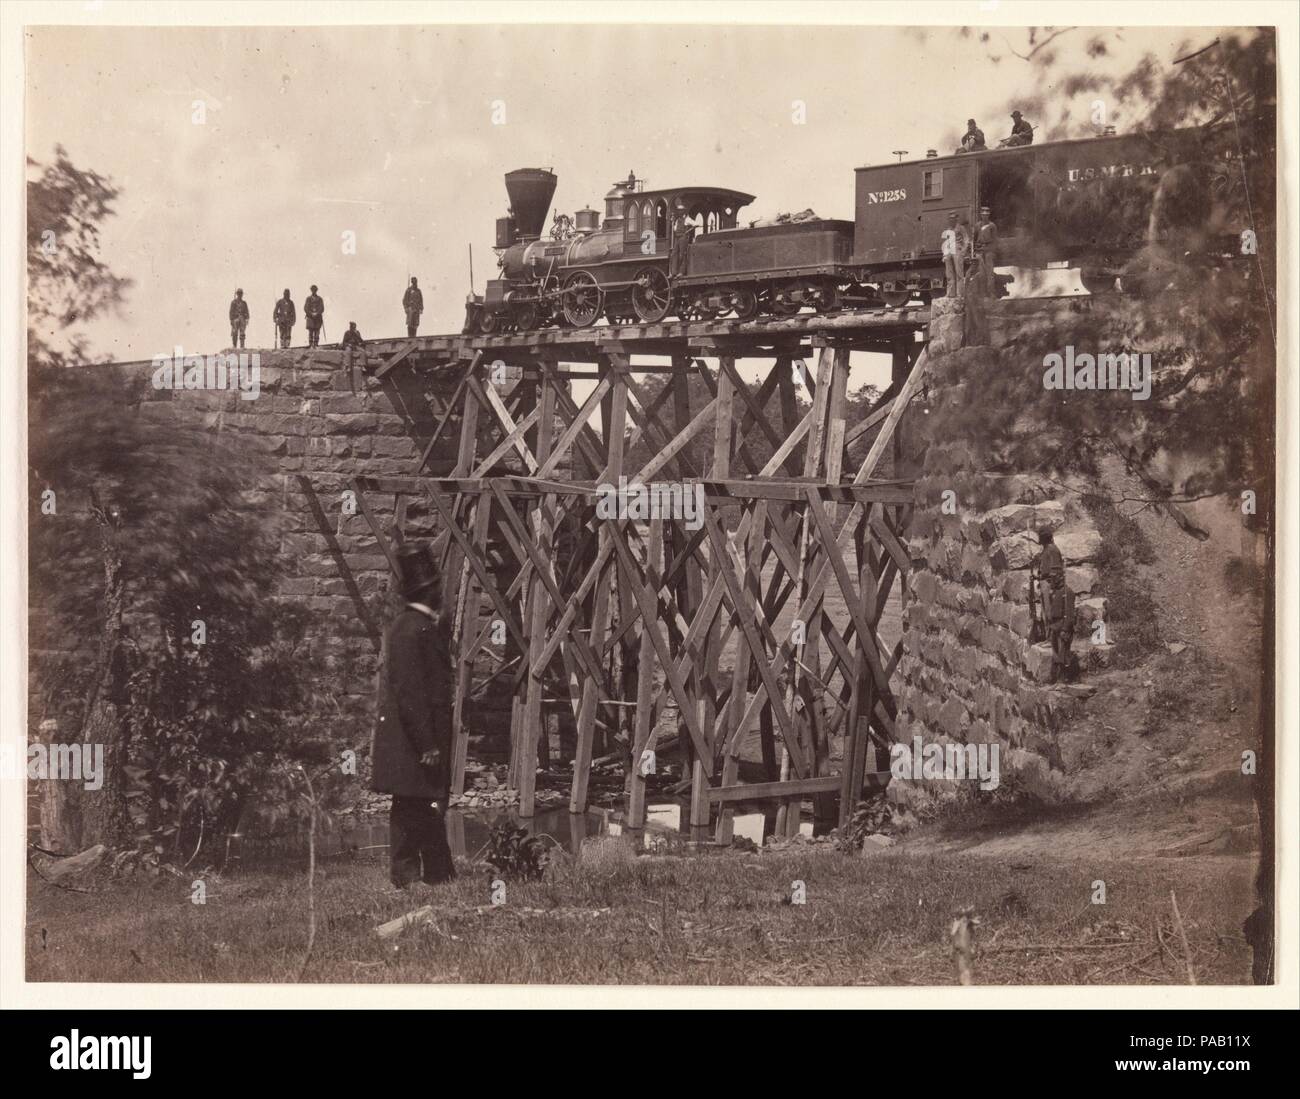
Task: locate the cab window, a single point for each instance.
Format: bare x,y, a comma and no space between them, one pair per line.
633,227
932,183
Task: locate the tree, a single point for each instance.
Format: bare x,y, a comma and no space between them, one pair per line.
161,551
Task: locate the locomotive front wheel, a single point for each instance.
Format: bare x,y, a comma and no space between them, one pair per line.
526,317
582,300
488,322
651,295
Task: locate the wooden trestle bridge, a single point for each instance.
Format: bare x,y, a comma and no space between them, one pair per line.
642,612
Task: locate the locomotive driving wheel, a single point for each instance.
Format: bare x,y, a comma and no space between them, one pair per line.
582,300
651,295
488,322
745,303
826,297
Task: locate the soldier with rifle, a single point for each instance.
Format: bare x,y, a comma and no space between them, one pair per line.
285,316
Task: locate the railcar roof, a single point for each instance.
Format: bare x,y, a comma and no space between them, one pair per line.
737,197
1024,149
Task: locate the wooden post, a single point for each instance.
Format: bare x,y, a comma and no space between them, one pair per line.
720,467
467,616
787,817
614,424
643,732
530,728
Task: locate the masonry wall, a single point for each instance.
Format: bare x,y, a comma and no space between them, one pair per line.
314,425
968,673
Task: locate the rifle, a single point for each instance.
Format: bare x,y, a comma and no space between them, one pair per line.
1037,632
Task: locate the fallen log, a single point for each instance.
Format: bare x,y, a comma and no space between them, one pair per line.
396,927
75,865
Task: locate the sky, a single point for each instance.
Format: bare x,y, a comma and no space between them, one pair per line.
401,136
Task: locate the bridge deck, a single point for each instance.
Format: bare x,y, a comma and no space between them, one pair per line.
874,330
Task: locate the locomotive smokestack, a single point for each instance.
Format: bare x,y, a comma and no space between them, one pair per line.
530,191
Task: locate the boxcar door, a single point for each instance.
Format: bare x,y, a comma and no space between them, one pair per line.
945,187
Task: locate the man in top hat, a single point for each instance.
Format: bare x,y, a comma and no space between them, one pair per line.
972,141
286,316
413,304
1058,602
1021,132
314,310
238,319
411,749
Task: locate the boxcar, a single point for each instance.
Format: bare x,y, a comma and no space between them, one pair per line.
1086,202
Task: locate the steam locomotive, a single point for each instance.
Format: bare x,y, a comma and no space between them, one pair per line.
1094,203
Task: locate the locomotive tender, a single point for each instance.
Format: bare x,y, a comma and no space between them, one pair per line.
1084,202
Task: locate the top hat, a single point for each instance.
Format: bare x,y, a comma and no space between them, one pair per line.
416,571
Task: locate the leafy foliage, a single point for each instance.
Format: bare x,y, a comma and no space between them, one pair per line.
67,282
205,730
513,853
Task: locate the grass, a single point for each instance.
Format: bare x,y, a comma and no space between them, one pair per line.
711,917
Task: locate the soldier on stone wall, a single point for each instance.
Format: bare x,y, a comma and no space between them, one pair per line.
956,248
314,310
986,242
238,319
286,316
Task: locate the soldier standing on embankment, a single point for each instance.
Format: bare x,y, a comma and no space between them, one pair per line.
286,316
238,319
1058,603
413,303
314,310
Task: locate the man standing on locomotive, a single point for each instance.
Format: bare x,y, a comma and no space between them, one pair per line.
956,248
413,303
986,240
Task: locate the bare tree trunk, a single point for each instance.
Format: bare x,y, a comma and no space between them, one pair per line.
104,815
60,821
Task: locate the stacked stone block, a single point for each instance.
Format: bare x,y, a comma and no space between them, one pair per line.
969,673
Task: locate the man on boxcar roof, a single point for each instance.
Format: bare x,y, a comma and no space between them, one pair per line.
972,141
1021,132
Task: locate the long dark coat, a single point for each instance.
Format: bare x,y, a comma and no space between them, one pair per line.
414,709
